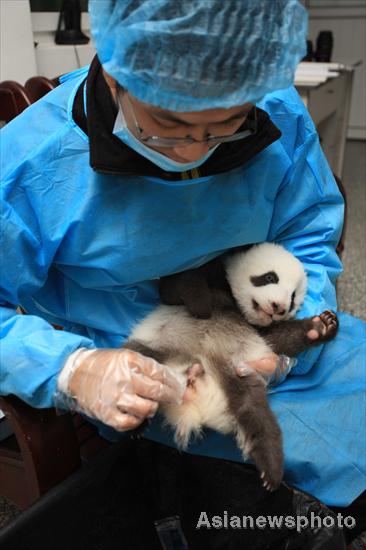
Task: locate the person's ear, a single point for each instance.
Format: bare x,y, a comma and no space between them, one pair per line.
112,84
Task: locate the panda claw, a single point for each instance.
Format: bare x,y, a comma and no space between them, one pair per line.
324,326
266,483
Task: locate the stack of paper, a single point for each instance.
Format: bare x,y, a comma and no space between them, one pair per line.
312,74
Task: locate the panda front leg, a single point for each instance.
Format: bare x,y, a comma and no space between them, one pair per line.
296,335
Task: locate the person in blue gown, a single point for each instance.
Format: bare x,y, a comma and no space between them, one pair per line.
183,139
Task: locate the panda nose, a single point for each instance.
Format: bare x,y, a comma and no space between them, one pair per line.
278,309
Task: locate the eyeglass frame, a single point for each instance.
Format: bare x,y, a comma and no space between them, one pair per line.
168,142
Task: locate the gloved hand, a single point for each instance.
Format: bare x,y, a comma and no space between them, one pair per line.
117,386
273,368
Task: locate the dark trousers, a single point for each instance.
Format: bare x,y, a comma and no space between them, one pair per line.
187,485
113,502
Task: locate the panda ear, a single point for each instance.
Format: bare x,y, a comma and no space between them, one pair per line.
268,278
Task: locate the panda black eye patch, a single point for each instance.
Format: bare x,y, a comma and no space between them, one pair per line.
269,278
292,305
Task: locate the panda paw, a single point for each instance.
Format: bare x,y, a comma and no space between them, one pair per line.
270,466
324,327
265,450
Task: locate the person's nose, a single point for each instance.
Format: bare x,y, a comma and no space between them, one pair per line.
196,150
193,152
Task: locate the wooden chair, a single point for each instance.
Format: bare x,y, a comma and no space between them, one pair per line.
13,100
14,97
44,449
38,86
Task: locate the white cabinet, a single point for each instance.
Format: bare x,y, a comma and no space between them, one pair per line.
347,20
52,59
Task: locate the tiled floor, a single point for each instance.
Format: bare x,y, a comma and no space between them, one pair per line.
8,511
352,284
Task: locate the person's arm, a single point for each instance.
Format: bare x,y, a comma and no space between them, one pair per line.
115,386
32,352
307,220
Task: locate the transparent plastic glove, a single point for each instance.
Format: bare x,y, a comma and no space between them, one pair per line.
117,386
274,368
283,367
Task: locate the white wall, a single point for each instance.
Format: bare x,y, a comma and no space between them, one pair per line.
17,57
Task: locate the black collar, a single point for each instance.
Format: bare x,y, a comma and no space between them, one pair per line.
109,155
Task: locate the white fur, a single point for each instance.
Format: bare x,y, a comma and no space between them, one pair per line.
256,261
206,406
174,326
206,403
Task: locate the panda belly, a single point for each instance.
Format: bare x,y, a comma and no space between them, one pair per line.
193,347
226,333
168,328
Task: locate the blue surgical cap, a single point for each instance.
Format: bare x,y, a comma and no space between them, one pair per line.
191,55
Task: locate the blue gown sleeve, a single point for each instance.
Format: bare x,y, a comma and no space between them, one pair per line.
32,352
307,220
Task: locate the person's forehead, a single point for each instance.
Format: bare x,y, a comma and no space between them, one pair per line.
196,117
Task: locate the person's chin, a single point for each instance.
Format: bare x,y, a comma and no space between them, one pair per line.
170,156
177,158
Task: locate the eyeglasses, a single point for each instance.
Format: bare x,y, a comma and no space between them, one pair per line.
157,141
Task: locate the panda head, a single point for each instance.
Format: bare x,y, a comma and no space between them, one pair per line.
268,283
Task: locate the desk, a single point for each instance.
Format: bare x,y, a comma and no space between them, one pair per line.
326,89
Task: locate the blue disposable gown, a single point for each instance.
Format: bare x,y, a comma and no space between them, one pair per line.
84,250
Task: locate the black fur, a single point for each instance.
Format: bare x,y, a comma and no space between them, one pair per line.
269,278
292,304
247,401
194,288
290,337
258,433
207,295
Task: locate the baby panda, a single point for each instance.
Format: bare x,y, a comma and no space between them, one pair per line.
248,303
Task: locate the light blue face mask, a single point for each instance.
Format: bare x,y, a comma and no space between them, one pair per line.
121,131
